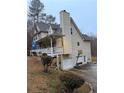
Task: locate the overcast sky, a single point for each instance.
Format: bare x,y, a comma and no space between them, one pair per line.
84,12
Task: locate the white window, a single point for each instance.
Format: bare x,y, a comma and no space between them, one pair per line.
71,31
78,43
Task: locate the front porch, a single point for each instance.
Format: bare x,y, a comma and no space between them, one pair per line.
50,51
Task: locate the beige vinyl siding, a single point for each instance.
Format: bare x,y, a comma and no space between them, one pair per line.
84,46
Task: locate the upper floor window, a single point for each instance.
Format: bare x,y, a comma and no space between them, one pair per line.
78,43
71,31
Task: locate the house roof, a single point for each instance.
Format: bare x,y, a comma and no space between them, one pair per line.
83,36
56,28
86,37
44,27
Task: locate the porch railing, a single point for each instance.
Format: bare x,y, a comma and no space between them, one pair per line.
53,50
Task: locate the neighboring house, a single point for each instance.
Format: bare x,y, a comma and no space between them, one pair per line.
65,41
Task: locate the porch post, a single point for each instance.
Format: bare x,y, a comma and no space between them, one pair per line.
57,61
30,53
61,62
57,57
51,46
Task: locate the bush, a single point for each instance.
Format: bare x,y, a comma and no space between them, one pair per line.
71,82
46,61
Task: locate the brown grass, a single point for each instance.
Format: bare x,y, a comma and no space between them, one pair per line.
84,89
40,82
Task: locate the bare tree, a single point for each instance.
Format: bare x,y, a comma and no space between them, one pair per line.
93,45
93,39
50,19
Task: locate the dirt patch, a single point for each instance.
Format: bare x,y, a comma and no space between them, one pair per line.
84,88
40,82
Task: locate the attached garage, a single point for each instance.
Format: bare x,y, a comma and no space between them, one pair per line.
67,64
82,60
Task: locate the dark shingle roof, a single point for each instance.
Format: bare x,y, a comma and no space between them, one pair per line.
56,28
83,36
86,37
43,27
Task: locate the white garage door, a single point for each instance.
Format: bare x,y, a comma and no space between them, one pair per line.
67,64
82,59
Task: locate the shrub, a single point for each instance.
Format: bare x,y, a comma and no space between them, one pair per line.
71,82
46,61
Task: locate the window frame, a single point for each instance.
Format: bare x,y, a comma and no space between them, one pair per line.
78,43
71,31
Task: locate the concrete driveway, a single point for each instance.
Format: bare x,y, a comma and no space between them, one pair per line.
89,73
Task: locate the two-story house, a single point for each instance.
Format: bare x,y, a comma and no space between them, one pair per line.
64,40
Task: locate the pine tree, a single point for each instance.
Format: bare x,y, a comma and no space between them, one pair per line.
50,19
35,9
36,12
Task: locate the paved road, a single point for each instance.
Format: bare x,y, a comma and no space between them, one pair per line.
89,73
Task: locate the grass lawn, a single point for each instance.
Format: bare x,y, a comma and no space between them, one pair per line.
40,82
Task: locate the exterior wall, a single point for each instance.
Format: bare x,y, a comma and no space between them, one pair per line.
65,25
87,51
42,35
59,43
66,62
70,43
50,31
84,46
75,38
39,36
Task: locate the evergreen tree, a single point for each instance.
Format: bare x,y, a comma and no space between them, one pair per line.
35,9
35,12
50,19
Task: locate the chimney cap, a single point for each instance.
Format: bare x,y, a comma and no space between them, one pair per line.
64,11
